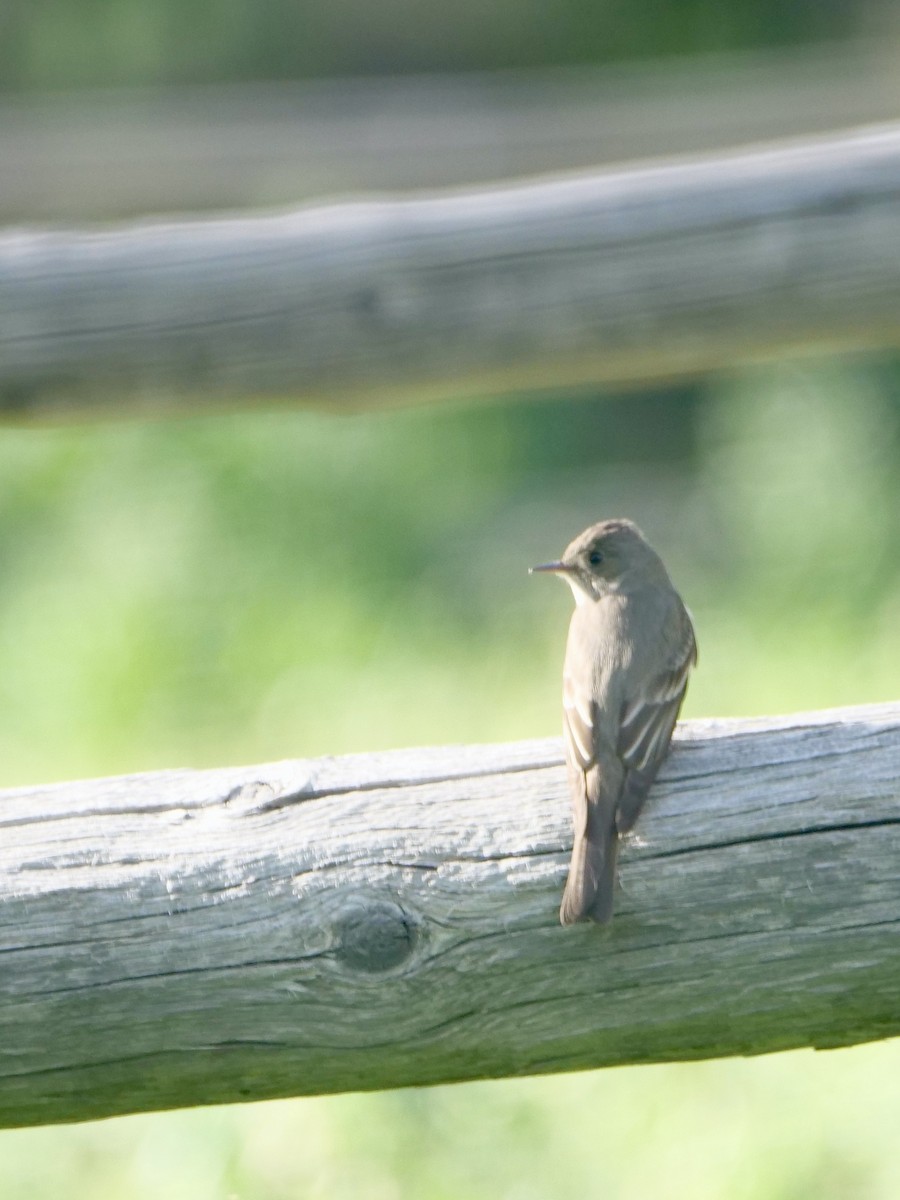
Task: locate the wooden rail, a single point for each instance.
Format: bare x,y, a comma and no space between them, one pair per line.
623,276
190,938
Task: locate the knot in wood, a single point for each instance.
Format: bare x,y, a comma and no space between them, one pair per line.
374,935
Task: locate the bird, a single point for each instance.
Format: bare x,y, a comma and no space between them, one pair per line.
630,649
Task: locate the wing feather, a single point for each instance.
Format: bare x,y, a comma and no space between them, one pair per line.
578,725
647,722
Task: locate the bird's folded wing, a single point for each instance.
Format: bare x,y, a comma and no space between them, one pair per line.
646,729
578,725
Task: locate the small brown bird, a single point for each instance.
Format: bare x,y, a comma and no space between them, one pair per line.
630,650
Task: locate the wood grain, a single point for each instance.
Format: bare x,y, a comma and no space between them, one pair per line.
187,938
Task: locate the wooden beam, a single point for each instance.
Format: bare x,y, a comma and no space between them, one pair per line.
633,275
188,938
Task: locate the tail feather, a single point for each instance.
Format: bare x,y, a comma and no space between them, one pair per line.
590,887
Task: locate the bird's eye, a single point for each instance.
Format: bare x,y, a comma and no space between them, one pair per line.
596,558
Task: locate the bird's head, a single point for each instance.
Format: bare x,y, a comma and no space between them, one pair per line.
606,557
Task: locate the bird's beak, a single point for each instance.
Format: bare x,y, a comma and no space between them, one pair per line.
558,567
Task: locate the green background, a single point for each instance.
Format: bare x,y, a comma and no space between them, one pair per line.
236,589
250,587
89,43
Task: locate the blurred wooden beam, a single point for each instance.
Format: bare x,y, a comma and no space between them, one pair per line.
383,920
625,276
109,155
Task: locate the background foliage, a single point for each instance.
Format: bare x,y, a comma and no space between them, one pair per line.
91,43
277,584
242,588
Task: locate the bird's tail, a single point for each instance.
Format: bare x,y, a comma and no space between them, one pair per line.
592,875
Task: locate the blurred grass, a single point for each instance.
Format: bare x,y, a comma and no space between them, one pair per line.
252,587
787,1127
96,43
242,588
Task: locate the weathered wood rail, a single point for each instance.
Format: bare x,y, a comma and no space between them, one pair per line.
303,927
627,275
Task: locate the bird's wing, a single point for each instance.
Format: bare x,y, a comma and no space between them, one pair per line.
578,725
578,741
646,727
595,781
